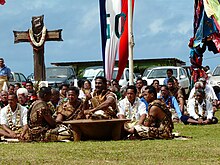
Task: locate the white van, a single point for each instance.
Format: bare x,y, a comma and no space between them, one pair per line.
122,82
160,73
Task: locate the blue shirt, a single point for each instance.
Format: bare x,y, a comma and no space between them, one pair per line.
174,104
165,80
5,71
145,102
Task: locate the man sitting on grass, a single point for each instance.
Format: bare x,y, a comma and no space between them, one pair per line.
14,119
200,110
103,101
159,123
131,107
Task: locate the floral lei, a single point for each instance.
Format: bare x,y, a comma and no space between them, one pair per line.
18,118
197,108
42,39
131,114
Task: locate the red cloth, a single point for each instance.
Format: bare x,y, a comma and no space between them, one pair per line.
123,46
2,2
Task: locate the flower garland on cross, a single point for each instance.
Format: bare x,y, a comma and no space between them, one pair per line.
37,45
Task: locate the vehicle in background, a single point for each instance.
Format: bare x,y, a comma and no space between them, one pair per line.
160,73
30,77
124,78
16,77
214,81
91,72
57,75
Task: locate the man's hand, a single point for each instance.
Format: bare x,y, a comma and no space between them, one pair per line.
13,134
206,121
200,121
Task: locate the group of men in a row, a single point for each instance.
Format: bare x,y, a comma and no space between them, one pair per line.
152,109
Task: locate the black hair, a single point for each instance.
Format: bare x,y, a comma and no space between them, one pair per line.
104,80
152,89
154,81
75,89
166,87
170,80
139,78
132,87
63,85
44,91
170,70
18,84
30,82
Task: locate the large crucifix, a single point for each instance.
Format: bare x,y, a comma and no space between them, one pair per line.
37,35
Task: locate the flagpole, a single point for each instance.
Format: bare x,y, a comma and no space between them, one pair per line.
130,43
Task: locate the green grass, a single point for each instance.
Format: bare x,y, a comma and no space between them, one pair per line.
203,148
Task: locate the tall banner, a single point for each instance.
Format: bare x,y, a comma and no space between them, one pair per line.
123,46
110,12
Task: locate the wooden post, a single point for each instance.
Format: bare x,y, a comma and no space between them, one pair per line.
37,36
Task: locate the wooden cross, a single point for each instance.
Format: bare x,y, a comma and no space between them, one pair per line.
37,36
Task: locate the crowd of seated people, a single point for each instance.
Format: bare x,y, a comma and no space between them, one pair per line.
152,109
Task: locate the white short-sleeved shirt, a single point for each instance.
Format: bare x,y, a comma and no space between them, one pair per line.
191,109
23,120
132,112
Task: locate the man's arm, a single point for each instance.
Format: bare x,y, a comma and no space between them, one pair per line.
25,129
152,113
176,106
108,102
11,133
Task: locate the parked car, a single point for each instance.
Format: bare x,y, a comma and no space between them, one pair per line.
91,72
124,78
58,75
159,73
16,77
214,79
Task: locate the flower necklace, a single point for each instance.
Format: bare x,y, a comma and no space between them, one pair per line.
197,108
131,114
18,118
42,39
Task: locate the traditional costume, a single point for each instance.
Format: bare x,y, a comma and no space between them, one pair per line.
108,112
159,129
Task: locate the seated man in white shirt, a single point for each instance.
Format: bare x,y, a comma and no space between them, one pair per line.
209,92
131,107
14,119
200,110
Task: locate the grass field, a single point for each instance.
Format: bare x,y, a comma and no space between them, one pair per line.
203,148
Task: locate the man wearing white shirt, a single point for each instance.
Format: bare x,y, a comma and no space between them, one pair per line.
200,110
14,119
209,92
131,107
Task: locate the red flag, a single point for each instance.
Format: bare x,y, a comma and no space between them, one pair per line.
123,46
2,2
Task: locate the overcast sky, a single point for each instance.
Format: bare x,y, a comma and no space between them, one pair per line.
162,28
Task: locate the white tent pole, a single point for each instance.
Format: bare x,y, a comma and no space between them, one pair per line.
130,43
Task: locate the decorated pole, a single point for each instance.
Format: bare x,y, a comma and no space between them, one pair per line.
130,43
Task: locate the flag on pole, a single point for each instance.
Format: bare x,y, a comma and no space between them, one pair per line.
2,2
109,14
114,29
123,46
207,24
